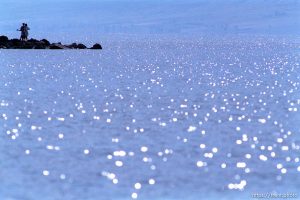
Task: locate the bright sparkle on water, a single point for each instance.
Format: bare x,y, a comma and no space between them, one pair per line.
168,120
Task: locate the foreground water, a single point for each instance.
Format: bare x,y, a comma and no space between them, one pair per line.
204,119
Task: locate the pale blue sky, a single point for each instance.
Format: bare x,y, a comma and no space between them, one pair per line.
87,18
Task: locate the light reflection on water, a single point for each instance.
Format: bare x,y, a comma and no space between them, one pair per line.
213,119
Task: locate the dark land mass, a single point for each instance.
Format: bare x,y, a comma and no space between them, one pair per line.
6,43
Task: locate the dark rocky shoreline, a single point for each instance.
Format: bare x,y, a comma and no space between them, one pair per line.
6,43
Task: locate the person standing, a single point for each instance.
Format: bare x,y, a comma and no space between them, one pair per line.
26,33
22,29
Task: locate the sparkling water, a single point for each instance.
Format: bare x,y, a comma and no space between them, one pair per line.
152,119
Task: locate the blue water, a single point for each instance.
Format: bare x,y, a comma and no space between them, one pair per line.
158,119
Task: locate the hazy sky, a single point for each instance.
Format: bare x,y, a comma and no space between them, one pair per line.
87,18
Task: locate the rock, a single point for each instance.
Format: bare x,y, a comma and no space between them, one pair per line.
57,46
27,45
6,43
3,41
73,46
33,41
96,46
81,46
40,45
3,38
46,42
14,43
35,44
76,46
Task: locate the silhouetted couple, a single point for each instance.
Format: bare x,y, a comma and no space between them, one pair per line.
24,32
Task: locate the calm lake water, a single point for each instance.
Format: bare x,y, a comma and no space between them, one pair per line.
152,119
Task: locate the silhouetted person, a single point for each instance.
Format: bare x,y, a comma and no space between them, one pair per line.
22,29
26,29
24,32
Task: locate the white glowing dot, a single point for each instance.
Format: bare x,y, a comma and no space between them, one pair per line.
243,183
270,148
144,149
273,154
108,120
208,155
247,170
284,148
223,165
137,186
86,151
27,151
167,151
262,121
115,181
62,176
50,147
192,129
240,165
60,136
202,146
61,119
263,157
298,169
120,153
111,176
238,141
283,170
152,181
279,140
238,128
231,186
215,150
153,167
134,195
119,163
200,164
279,166
162,124
248,156
46,172
245,138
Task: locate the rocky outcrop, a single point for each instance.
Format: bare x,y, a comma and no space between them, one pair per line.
96,46
6,43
